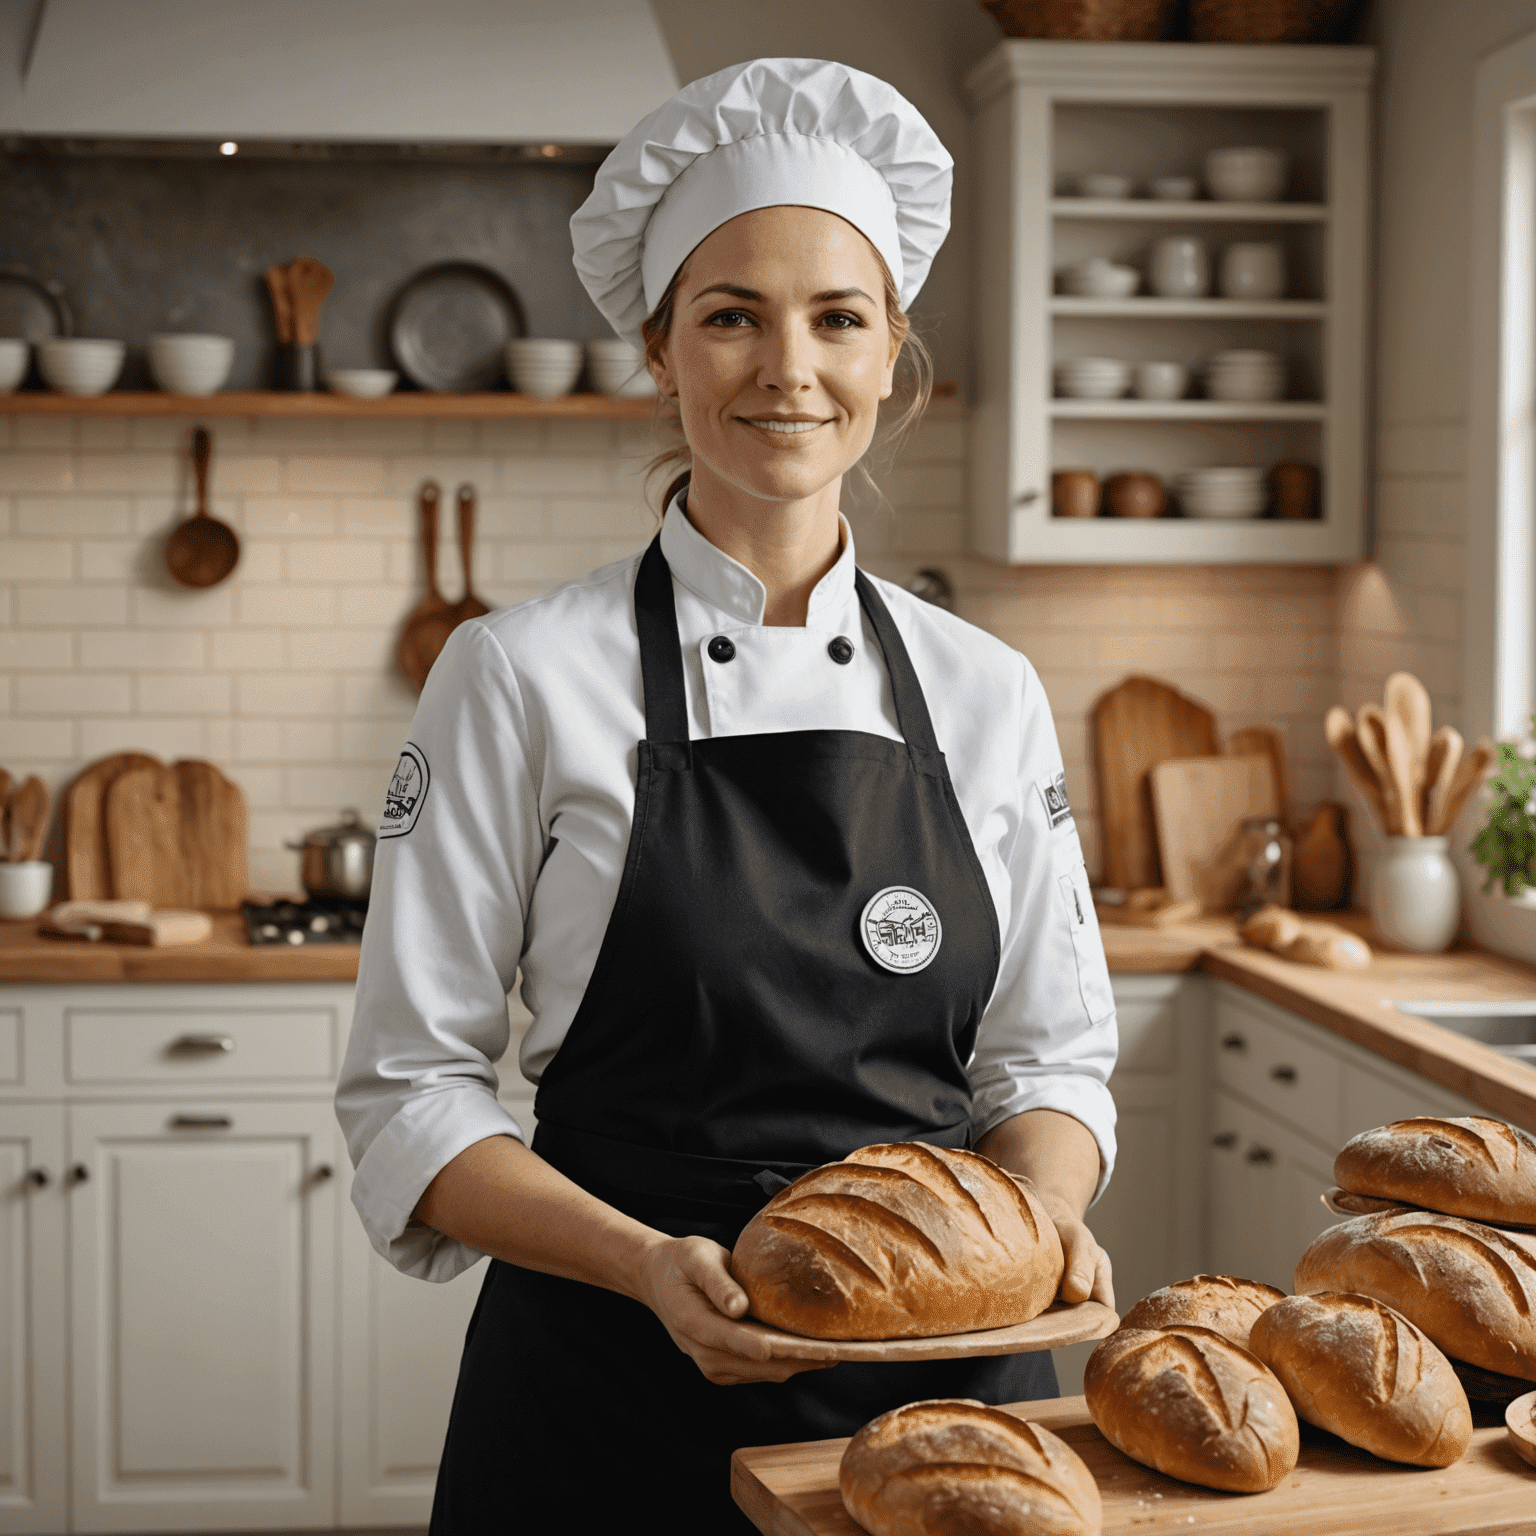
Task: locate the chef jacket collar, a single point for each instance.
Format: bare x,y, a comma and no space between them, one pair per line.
715,578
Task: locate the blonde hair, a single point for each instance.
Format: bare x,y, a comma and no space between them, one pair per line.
913,360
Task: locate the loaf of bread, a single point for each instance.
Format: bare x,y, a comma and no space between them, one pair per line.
1471,1288
1223,1304
1194,1406
1353,1366
954,1467
1474,1167
899,1241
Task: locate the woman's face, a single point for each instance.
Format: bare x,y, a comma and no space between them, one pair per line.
779,353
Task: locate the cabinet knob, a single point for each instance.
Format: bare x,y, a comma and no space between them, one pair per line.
201,1122
203,1045
1260,1155
1026,497
1224,1139
1234,1043
1283,1074
39,1178
80,1174
323,1171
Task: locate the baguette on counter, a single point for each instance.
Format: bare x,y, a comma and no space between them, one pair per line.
1353,1366
125,922
1222,1303
899,1241
1306,940
955,1465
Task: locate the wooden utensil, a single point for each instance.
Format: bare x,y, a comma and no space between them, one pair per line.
469,606
87,863
1407,778
433,619
1520,1421
309,283
203,551
1406,697
1476,765
282,304
1445,749
1339,729
1140,722
1371,733
1200,804
176,836
5,815
1322,864
1261,741
27,820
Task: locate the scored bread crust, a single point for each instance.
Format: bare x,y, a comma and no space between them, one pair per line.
1194,1406
1470,1288
898,1241
1222,1303
1472,1166
1353,1366
953,1464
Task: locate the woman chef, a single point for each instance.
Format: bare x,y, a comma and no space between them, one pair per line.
783,854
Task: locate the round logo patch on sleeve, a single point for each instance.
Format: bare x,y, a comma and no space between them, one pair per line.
407,789
900,929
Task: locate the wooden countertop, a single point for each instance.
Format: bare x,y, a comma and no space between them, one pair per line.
1336,1490
227,955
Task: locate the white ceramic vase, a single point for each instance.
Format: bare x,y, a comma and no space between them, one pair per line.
1416,895
1180,268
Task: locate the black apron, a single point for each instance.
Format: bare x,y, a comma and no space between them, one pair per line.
736,1033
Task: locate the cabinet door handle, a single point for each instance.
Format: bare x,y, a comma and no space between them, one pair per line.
39,1178
1283,1074
1224,1139
201,1122
1234,1043
203,1045
1260,1155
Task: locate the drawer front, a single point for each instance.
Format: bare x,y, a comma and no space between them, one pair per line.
1291,1078
10,1047
198,1045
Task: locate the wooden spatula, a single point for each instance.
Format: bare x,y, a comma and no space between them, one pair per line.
282,304
469,606
1371,733
433,619
5,814
1476,765
309,282
1445,749
1342,737
1405,778
1406,697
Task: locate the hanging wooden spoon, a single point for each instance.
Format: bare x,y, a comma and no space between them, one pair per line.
1371,733
434,617
1445,748
1340,731
203,551
469,606
309,282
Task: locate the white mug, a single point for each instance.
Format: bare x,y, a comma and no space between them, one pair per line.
25,888
1180,268
1161,381
1253,271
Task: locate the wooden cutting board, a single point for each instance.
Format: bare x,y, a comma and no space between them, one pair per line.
1200,804
176,836
1140,722
1336,1490
87,865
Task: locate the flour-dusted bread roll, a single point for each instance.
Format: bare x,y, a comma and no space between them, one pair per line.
1474,1167
1471,1288
1352,1365
954,1467
1194,1406
1222,1303
896,1242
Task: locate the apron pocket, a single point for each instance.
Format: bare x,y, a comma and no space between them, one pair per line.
1088,949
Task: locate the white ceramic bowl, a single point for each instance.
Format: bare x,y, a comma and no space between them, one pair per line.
1161,381
1175,189
25,888
361,383
543,366
1246,174
618,369
190,365
78,365
14,357
1101,279
1102,184
1094,378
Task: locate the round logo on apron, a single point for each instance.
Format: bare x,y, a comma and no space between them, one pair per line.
901,930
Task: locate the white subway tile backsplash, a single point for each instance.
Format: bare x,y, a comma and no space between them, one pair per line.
24,471
81,517
287,695
36,650
110,559
258,741
178,694
157,472
286,605
307,741
36,740
70,607
37,560
151,649
74,693
165,739
259,650
353,474
172,606
291,517
557,476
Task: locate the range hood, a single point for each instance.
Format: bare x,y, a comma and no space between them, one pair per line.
396,71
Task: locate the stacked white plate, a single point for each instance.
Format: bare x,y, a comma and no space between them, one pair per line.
1245,376
617,368
1093,378
1222,491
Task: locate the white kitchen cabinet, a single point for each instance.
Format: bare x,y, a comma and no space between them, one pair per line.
1047,112
202,1255
32,1412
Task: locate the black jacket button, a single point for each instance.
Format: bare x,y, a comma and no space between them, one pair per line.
840,650
721,649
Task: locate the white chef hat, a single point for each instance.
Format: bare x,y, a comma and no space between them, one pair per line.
759,135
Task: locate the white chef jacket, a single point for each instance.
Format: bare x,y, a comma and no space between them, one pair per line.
509,817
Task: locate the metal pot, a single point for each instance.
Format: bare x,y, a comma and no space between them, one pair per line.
338,861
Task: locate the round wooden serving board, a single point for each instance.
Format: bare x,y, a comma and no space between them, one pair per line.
1057,1325
1520,1420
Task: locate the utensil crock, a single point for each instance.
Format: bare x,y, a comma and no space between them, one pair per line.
1416,896
25,888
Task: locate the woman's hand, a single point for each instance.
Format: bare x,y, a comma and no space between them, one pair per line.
687,1283
1087,1274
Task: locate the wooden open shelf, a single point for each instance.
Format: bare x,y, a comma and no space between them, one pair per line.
1156,210
415,405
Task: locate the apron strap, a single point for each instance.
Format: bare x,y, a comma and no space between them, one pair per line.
911,707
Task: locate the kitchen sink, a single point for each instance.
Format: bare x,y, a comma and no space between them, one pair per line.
1507,1027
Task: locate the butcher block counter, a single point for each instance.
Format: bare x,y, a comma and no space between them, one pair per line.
791,1490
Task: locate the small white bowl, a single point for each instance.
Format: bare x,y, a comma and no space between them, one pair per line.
15,354
616,368
190,365
77,365
1175,189
1246,174
1102,184
25,888
543,366
361,383
1094,378
1101,279
1161,381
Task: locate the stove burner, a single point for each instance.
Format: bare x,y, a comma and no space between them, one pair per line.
320,920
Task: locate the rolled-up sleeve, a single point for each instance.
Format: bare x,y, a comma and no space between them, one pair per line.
454,872
1048,1039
